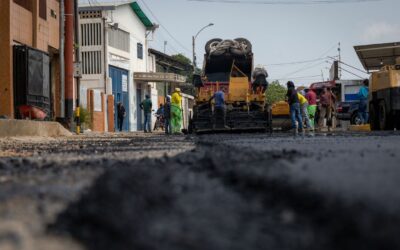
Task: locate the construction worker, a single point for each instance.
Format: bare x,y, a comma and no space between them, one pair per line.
311,97
304,109
147,105
220,112
295,113
363,96
326,106
176,111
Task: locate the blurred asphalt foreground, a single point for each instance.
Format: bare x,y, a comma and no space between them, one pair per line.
221,191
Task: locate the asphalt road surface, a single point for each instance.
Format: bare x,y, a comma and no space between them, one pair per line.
221,191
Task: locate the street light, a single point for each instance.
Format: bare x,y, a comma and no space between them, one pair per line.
194,43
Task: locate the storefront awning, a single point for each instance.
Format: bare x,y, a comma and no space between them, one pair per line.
375,56
158,77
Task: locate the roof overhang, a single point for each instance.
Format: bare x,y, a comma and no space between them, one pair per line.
375,56
158,77
96,8
142,16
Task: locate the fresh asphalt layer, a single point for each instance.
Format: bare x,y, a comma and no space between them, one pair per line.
221,191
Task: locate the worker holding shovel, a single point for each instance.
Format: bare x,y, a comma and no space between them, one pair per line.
176,111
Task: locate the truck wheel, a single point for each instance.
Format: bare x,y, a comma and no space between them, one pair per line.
384,117
245,44
355,119
212,41
373,118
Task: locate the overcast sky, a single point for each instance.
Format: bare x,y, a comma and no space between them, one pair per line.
281,31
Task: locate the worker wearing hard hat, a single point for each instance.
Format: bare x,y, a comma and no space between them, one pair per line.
176,111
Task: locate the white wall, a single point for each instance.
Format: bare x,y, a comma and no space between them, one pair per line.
129,22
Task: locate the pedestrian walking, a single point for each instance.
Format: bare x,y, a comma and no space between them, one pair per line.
304,110
176,111
167,116
326,106
220,111
295,113
311,97
363,96
121,113
147,106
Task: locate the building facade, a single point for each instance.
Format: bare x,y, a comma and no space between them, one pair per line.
34,24
114,46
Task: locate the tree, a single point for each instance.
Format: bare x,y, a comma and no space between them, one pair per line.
275,92
182,59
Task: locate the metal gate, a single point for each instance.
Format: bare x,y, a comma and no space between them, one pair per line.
120,83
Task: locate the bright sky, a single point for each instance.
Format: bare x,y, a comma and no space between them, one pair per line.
281,31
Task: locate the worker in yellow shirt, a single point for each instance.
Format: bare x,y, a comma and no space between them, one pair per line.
176,111
304,112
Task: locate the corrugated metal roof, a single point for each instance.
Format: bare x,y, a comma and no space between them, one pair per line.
375,56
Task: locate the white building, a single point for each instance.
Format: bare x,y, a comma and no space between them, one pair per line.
114,46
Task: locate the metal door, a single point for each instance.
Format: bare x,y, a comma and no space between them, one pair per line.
120,91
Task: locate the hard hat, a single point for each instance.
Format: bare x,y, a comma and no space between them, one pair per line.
177,89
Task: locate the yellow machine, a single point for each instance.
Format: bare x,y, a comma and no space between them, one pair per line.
384,97
245,109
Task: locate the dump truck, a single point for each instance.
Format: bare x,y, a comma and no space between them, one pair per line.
383,61
228,66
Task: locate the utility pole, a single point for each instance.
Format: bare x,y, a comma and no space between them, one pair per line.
62,62
340,60
78,66
194,53
68,60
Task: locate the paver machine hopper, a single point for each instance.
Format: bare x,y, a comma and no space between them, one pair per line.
228,66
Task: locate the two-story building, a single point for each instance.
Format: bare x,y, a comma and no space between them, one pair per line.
114,44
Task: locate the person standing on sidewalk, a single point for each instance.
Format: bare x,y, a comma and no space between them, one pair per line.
304,109
121,113
295,113
167,116
147,106
363,96
176,111
312,106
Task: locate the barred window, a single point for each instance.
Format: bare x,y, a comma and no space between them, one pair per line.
140,51
91,34
91,62
119,39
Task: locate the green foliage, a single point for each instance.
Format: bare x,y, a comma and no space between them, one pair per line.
182,59
275,92
85,117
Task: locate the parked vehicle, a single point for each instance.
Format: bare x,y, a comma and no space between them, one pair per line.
348,111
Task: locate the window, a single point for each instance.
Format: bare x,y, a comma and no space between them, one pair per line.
43,9
140,51
26,4
119,39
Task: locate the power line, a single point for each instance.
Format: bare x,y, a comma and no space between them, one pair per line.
166,30
348,65
298,62
352,73
311,2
